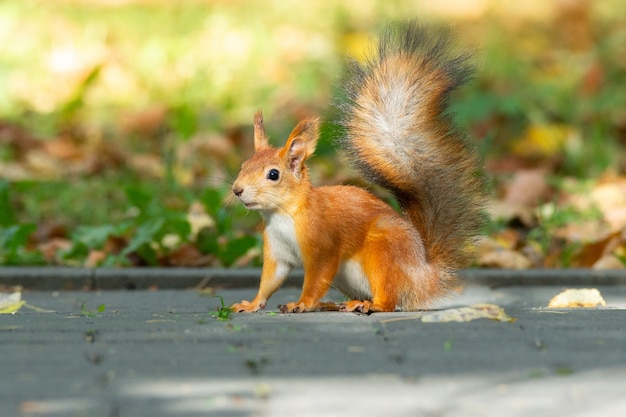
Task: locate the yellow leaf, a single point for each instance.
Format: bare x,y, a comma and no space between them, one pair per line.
543,140
11,308
10,302
358,45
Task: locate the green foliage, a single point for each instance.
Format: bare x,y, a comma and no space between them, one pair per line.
222,240
14,237
13,244
143,217
7,215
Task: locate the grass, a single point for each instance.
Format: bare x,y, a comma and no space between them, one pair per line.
223,312
115,119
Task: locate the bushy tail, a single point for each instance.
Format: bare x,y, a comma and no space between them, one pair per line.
399,134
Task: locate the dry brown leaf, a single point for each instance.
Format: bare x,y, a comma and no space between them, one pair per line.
616,218
608,262
592,252
51,247
504,258
188,255
610,199
574,24
95,258
43,165
465,314
147,164
577,298
586,232
594,79
509,212
491,254
18,139
146,122
63,148
527,187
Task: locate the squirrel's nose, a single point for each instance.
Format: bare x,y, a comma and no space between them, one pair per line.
238,191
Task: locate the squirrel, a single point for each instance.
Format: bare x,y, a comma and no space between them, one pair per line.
397,131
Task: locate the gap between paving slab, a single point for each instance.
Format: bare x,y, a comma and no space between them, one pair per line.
63,278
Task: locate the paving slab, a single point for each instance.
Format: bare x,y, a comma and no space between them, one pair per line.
163,353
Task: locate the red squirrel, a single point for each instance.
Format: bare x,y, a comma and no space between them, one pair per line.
397,131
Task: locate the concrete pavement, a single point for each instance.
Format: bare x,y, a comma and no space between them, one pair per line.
162,353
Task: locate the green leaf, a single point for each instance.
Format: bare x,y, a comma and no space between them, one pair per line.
78,251
212,200
93,236
207,242
14,237
7,214
148,254
236,248
176,223
139,198
144,235
13,242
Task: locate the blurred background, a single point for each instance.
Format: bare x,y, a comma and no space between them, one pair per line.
124,122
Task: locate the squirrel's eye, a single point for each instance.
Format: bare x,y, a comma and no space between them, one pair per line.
273,174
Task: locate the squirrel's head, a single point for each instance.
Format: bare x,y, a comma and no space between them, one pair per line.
272,178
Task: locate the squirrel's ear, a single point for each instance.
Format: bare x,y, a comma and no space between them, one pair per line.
301,144
260,138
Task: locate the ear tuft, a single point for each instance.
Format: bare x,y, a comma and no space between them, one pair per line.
260,138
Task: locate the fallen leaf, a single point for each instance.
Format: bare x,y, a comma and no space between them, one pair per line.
527,188
593,79
11,300
465,314
610,198
522,193
145,122
95,258
51,248
507,238
63,148
608,262
543,140
188,255
592,252
492,254
577,298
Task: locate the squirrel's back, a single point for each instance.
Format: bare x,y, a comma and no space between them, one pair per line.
398,132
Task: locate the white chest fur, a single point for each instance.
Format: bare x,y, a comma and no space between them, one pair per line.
281,232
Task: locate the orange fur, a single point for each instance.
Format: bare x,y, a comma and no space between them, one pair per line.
396,132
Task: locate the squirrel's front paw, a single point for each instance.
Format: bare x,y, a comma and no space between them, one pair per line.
294,308
357,306
246,307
